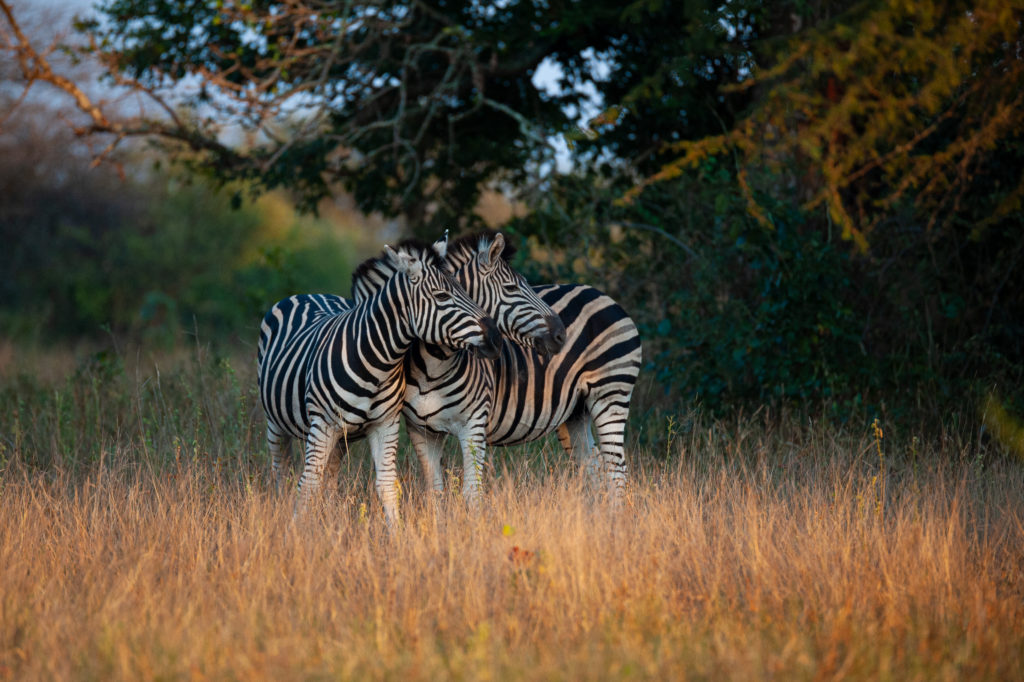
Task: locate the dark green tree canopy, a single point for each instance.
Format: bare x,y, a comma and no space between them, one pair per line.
414,106
794,200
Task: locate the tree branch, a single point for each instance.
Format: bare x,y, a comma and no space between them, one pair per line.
35,67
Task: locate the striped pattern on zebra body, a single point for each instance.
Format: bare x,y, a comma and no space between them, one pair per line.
588,384
585,387
453,390
329,372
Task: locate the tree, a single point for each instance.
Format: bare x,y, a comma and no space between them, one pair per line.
889,131
835,183
412,106
888,104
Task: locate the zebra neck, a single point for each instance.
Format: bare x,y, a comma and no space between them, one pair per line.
386,318
464,275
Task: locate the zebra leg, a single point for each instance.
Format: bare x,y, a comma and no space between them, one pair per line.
474,454
278,443
384,447
332,470
428,447
577,439
610,421
319,441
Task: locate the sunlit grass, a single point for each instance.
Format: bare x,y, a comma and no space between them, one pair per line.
752,550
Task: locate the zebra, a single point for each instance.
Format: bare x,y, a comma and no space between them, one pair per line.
455,387
327,374
586,387
532,392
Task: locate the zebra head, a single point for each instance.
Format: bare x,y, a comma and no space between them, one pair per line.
438,309
481,266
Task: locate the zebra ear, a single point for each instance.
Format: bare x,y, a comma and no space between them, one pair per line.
404,263
441,246
489,258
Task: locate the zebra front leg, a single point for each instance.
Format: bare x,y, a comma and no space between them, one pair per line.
278,443
474,454
319,441
332,470
384,447
428,446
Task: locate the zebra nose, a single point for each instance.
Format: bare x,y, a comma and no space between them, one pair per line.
555,338
491,347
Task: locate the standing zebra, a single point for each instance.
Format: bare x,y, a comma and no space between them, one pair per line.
454,386
589,382
327,375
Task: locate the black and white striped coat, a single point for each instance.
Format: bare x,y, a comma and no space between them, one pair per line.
588,384
525,394
328,374
453,389
584,388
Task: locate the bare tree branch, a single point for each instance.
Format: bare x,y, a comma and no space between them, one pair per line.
35,67
324,92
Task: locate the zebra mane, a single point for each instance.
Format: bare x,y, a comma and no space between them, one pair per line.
465,248
372,274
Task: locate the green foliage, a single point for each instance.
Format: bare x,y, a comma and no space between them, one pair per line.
731,313
414,106
158,259
762,318
737,313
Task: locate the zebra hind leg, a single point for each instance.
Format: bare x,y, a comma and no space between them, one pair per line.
278,442
474,455
577,439
319,441
610,417
428,447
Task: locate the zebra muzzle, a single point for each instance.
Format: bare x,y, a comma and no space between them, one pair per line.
552,342
490,347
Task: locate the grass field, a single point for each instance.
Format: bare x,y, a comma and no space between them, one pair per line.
141,538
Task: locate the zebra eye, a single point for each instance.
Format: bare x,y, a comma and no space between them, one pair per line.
511,287
442,295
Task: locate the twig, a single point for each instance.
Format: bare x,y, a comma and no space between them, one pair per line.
657,230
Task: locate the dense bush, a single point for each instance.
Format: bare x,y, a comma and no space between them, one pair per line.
737,312
152,258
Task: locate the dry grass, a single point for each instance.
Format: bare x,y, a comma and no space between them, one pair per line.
753,551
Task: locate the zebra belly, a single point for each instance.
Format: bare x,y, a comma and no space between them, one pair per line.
526,429
430,411
355,416
522,422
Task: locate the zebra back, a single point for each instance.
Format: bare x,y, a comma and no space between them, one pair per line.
289,335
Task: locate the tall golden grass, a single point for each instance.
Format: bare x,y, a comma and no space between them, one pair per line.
746,550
